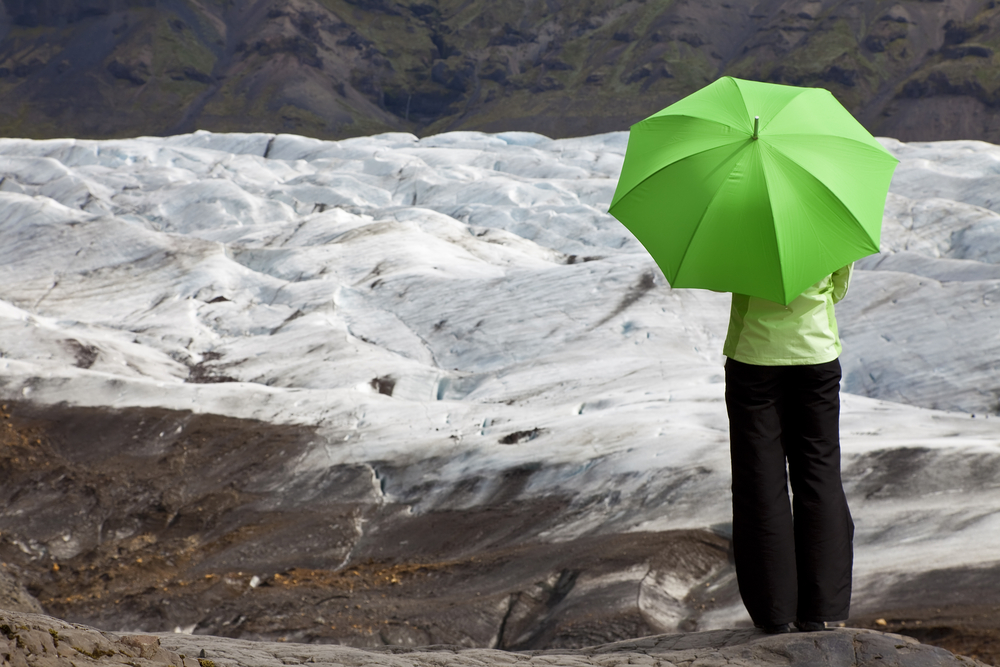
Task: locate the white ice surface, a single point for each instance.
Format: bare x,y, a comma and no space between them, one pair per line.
482,275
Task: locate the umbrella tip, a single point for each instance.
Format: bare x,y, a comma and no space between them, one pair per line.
756,124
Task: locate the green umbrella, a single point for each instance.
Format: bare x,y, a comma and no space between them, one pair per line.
753,188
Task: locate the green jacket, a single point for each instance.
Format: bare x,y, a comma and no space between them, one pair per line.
804,332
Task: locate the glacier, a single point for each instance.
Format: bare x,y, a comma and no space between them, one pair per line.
448,308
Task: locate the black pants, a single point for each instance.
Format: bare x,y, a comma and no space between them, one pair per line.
789,568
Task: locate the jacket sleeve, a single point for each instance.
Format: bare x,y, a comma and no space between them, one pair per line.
841,281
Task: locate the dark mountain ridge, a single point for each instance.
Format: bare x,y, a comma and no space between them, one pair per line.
912,69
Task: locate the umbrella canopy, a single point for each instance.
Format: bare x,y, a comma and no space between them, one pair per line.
753,188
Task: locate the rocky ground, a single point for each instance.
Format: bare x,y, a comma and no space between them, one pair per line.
170,528
31,640
911,70
175,539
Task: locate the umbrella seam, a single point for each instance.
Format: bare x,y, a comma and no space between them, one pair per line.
883,150
688,115
801,92
742,99
776,114
778,248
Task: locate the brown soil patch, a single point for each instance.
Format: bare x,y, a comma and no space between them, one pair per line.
971,630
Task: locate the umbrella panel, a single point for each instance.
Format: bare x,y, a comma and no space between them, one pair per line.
813,113
676,198
661,141
815,231
735,247
858,175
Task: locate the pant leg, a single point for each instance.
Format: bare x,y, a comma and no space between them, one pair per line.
824,530
763,536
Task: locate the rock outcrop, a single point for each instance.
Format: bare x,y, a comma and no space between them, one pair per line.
33,640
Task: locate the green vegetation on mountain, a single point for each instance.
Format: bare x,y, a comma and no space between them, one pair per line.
914,69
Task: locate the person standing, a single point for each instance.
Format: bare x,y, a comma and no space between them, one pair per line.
793,560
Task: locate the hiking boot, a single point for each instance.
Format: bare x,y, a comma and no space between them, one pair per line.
810,626
779,629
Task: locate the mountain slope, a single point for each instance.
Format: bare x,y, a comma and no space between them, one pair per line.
338,68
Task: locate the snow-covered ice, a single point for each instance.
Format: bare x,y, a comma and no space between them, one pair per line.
463,304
